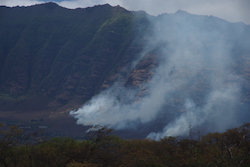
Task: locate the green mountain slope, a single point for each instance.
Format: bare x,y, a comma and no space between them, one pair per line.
61,53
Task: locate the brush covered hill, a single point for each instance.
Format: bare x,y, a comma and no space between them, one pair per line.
64,55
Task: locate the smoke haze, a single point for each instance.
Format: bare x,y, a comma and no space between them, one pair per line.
195,78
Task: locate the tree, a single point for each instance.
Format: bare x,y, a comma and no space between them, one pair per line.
9,140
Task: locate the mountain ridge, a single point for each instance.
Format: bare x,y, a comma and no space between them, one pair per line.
43,13
86,39
54,59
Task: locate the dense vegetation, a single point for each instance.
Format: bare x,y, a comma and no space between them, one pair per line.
229,149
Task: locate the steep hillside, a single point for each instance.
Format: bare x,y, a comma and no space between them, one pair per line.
193,73
63,54
53,60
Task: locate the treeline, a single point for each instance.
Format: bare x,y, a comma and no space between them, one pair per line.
100,149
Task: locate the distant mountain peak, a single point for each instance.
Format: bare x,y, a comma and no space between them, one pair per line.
181,12
49,5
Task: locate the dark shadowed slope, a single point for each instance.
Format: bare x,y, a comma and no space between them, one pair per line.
60,53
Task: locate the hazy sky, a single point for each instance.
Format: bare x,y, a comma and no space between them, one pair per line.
230,10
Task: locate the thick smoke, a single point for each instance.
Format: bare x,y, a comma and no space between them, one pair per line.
195,78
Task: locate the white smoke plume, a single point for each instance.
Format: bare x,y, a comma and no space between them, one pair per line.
195,52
